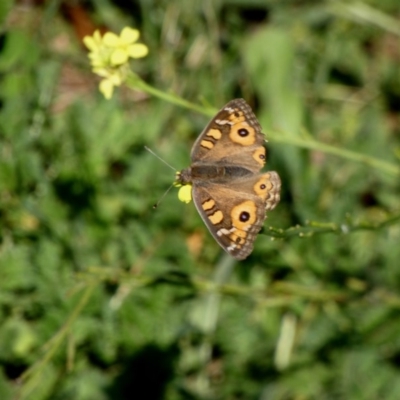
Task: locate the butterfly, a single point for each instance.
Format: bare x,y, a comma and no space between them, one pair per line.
227,187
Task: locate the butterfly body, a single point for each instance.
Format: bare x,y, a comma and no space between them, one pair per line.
230,193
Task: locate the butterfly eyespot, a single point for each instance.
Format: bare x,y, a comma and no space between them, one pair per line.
263,186
259,155
236,114
244,216
239,240
244,135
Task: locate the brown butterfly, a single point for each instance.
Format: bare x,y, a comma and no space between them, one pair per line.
230,193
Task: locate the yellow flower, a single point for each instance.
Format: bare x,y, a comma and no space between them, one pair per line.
185,194
124,46
109,56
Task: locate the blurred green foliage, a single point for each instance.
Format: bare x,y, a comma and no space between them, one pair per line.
101,297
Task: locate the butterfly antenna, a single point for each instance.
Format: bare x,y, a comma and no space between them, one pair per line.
162,197
174,169
162,160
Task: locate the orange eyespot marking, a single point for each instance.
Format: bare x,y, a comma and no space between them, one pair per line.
243,134
244,215
259,155
207,144
236,117
263,186
238,239
208,205
216,218
214,133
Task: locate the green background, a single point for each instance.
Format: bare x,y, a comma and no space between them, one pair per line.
102,297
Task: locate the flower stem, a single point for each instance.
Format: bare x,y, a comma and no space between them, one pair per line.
312,144
134,82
